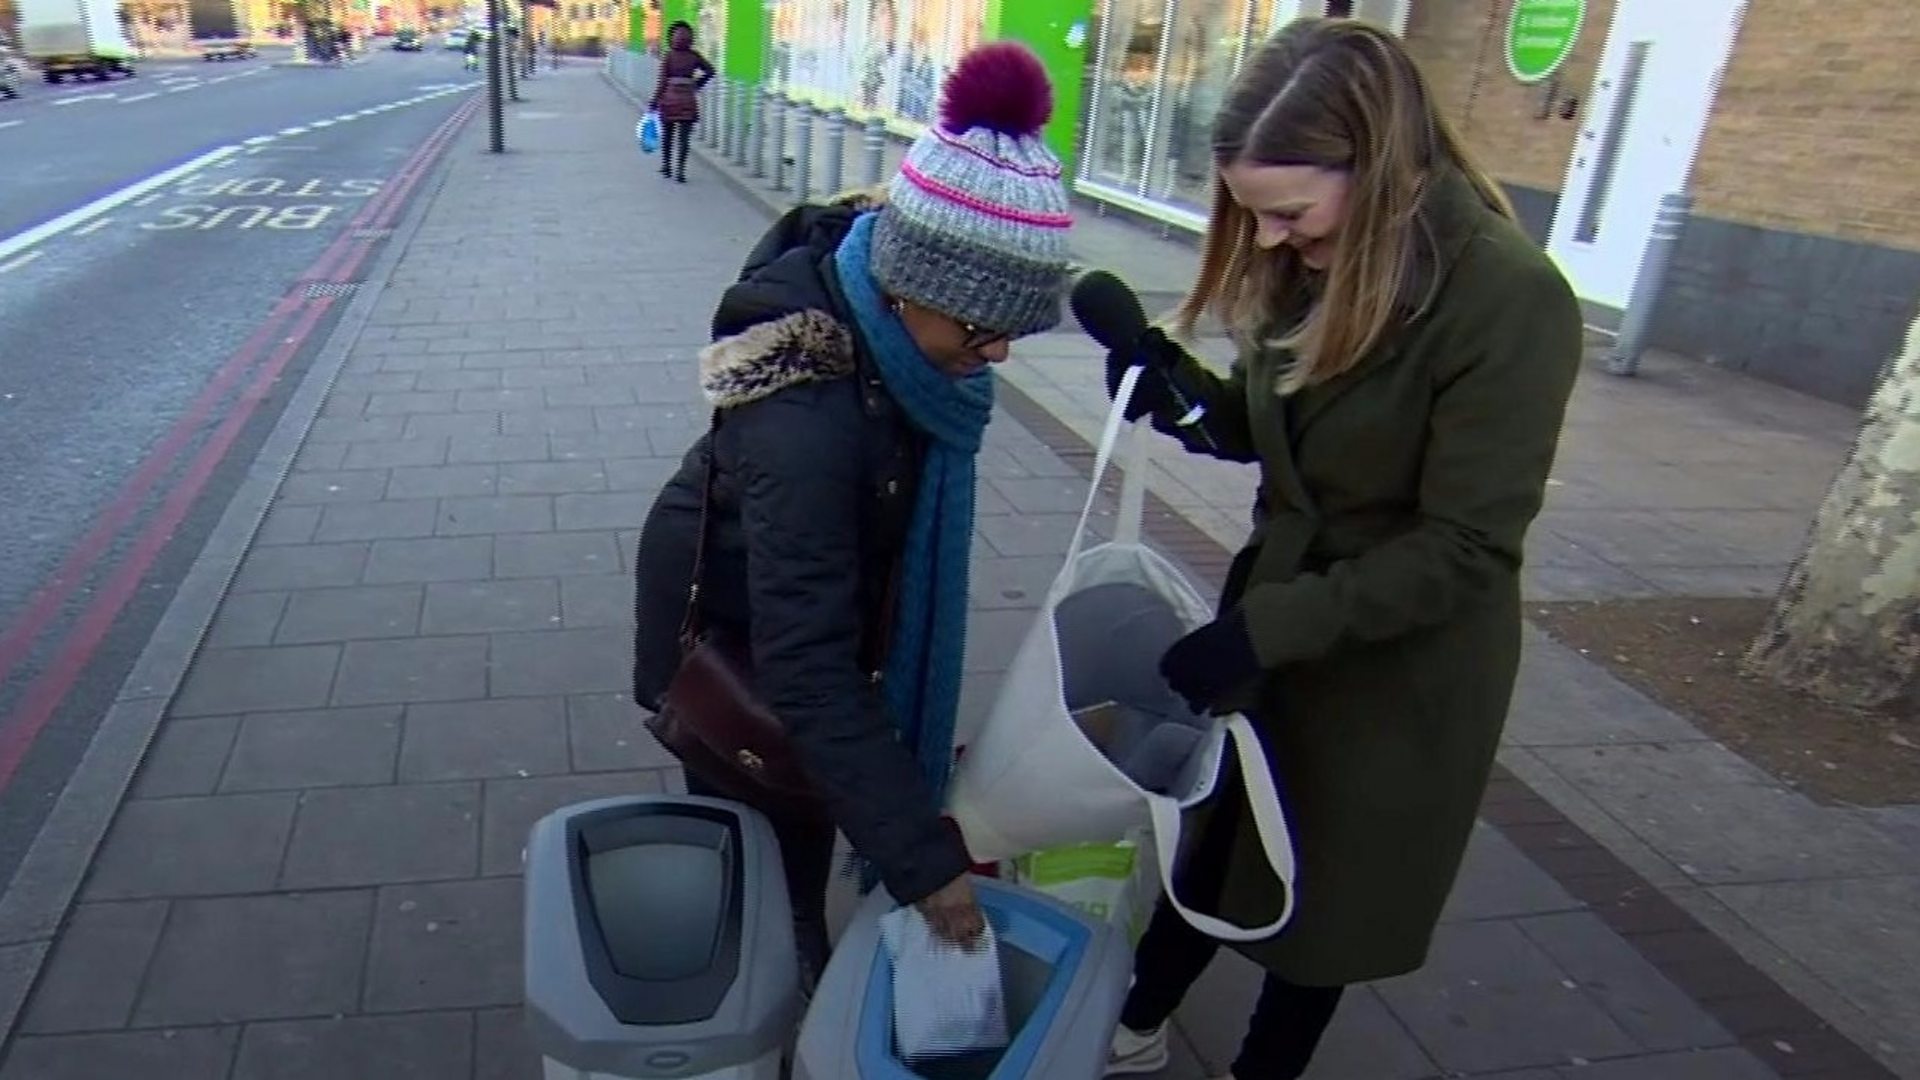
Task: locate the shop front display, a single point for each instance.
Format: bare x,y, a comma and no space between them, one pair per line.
1160,73
883,58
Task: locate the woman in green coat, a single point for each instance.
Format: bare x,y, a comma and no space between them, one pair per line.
1406,358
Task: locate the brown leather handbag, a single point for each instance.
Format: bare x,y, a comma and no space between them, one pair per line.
711,719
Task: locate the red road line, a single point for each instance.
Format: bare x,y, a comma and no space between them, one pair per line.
21,730
53,685
403,186
429,149
16,643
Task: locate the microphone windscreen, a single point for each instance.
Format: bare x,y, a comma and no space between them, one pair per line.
1107,310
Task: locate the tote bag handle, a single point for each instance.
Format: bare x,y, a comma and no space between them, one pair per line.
1133,485
1269,821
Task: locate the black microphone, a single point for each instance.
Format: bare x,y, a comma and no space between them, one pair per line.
1111,314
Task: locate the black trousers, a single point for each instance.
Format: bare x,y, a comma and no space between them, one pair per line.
676,136
806,854
1288,1020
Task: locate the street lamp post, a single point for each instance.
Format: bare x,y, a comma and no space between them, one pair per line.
497,122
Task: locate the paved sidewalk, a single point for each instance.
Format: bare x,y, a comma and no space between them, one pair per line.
316,874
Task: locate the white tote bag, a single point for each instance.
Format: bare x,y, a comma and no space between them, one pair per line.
1032,780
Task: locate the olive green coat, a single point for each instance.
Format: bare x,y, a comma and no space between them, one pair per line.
1383,598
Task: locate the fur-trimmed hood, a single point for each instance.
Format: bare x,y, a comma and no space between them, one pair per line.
805,346
784,321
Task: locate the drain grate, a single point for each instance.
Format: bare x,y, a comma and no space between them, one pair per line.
372,234
318,289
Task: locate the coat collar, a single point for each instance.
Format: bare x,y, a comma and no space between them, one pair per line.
1450,216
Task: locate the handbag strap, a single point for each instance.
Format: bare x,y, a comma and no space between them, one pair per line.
690,621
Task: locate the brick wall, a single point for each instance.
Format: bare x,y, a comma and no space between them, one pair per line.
1817,127
1460,44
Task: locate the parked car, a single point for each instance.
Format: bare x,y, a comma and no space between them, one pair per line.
406,41
457,38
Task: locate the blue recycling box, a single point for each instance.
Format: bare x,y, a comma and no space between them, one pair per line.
1065,976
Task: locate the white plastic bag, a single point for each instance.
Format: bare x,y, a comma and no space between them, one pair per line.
947,1000
1033,779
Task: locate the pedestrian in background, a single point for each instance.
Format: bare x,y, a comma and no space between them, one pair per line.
1406,356
683,72
851,384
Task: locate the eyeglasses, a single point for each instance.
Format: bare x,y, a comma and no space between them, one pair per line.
977,338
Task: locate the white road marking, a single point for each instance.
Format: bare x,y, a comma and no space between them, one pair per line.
140,97
154,198
293,131
323,123
4,124
83,97
8,268
182,89
20,242
258,140
94,227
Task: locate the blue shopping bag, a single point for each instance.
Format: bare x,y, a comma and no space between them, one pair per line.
648,132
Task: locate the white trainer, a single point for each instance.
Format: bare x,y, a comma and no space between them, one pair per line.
1136,1052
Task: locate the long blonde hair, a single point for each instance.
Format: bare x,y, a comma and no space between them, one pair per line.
1337,94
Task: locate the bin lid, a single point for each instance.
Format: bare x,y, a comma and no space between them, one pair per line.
658,894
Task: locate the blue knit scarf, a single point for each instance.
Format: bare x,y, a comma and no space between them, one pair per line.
922,678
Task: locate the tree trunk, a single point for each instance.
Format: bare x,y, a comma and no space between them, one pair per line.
1846,627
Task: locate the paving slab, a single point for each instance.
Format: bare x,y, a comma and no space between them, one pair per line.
234,959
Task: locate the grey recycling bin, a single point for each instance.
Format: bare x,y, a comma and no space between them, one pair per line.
1065,977
659,941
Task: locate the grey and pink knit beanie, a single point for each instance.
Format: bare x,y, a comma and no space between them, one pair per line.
975,224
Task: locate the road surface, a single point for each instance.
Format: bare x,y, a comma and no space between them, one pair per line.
173,248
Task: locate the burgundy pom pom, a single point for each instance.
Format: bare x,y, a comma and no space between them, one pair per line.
1002,87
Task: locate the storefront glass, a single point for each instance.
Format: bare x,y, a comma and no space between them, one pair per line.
1161,70
1209,37
1123,98
873,57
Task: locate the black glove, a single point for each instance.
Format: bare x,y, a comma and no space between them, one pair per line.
1153,393
1211,662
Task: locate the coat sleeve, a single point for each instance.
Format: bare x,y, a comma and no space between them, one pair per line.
704,72
1491,438
800,503
1226,419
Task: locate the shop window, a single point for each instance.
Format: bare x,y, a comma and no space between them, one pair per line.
1207,41
1129,67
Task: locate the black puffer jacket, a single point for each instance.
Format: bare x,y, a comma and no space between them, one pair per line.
815,470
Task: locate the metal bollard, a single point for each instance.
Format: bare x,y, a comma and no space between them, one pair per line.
719,112
803,153
729,118
777,127
762,105
744,94
876,145
1637,320
836,150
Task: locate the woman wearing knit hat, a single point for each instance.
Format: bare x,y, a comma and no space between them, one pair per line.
1406,358
851,384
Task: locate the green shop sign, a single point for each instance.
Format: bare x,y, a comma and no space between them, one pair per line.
1540,36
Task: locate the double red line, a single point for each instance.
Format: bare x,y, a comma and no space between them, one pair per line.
265,354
